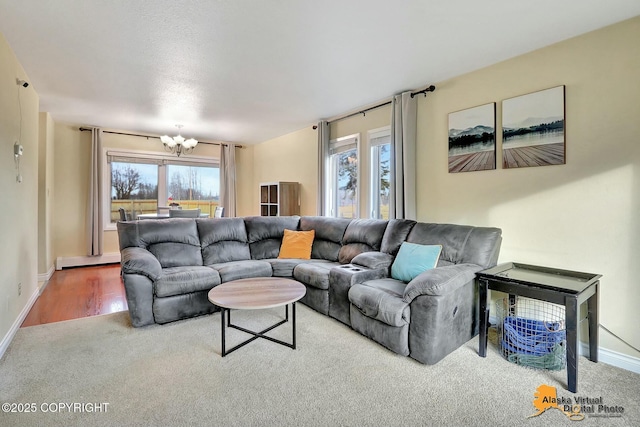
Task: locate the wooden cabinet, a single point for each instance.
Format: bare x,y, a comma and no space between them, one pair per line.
279,198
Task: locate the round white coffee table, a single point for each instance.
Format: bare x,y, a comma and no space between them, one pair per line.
254,294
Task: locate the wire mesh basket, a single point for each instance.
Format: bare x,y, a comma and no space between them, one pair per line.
532,333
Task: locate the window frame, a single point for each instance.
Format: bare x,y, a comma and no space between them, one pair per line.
149,157
374,183
337,146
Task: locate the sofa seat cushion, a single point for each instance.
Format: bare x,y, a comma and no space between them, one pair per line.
381,299
284,267
314,274
184,280
242,270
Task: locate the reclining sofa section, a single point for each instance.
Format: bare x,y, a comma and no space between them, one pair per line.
169,266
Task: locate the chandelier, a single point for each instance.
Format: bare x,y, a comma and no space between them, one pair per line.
178,145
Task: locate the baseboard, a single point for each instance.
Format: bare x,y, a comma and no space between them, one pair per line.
613,358
4,344
78,261
44,277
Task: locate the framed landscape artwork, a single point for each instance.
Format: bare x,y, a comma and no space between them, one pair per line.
533,129
472,139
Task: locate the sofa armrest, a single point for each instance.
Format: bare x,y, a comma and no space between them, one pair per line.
135,260
373,260
440,281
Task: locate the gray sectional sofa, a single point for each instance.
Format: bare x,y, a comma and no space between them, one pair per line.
169,266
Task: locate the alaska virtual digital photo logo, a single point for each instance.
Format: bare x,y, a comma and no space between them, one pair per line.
546,397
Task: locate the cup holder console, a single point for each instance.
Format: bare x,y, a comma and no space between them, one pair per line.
351,267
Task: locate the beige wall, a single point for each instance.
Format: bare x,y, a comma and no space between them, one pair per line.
71,180
46,144
579,216
292,157
19,218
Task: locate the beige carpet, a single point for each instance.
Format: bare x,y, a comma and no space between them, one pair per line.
173,375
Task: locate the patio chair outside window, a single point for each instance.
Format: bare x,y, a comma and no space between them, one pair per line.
124,216
184,213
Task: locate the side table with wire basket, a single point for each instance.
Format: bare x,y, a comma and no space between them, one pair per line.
533,333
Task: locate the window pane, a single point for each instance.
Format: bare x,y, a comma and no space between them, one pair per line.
194,187
347,184
134,187
384,178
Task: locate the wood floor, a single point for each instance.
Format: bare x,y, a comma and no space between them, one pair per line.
79,292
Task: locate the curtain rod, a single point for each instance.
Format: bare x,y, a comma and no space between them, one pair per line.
363,112
83,129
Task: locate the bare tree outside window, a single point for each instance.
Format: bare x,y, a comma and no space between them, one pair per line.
348,183
385,180
124,180
134,187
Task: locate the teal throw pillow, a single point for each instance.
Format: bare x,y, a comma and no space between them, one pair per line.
413,259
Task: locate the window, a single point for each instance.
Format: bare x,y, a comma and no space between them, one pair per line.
134,187
141,182
193,186
380,143
343,177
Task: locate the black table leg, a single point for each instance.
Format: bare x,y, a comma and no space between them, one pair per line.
222,310
571,316
293,322
592,312
484,317
257,334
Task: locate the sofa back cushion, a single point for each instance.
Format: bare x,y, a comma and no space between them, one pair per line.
128,236
361,235
460,243
223,240
328,237
174,242
265,234
395,234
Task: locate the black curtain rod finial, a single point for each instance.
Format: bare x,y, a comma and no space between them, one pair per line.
424,91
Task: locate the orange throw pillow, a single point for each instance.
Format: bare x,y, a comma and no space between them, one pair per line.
297,244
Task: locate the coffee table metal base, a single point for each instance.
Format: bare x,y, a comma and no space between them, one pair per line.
260,334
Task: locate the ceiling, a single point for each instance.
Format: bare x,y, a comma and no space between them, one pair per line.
249,70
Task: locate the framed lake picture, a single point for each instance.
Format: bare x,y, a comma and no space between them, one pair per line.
472,139
533,129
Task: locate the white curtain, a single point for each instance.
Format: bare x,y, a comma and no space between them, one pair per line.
95,222
323,155
228,179
404,118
